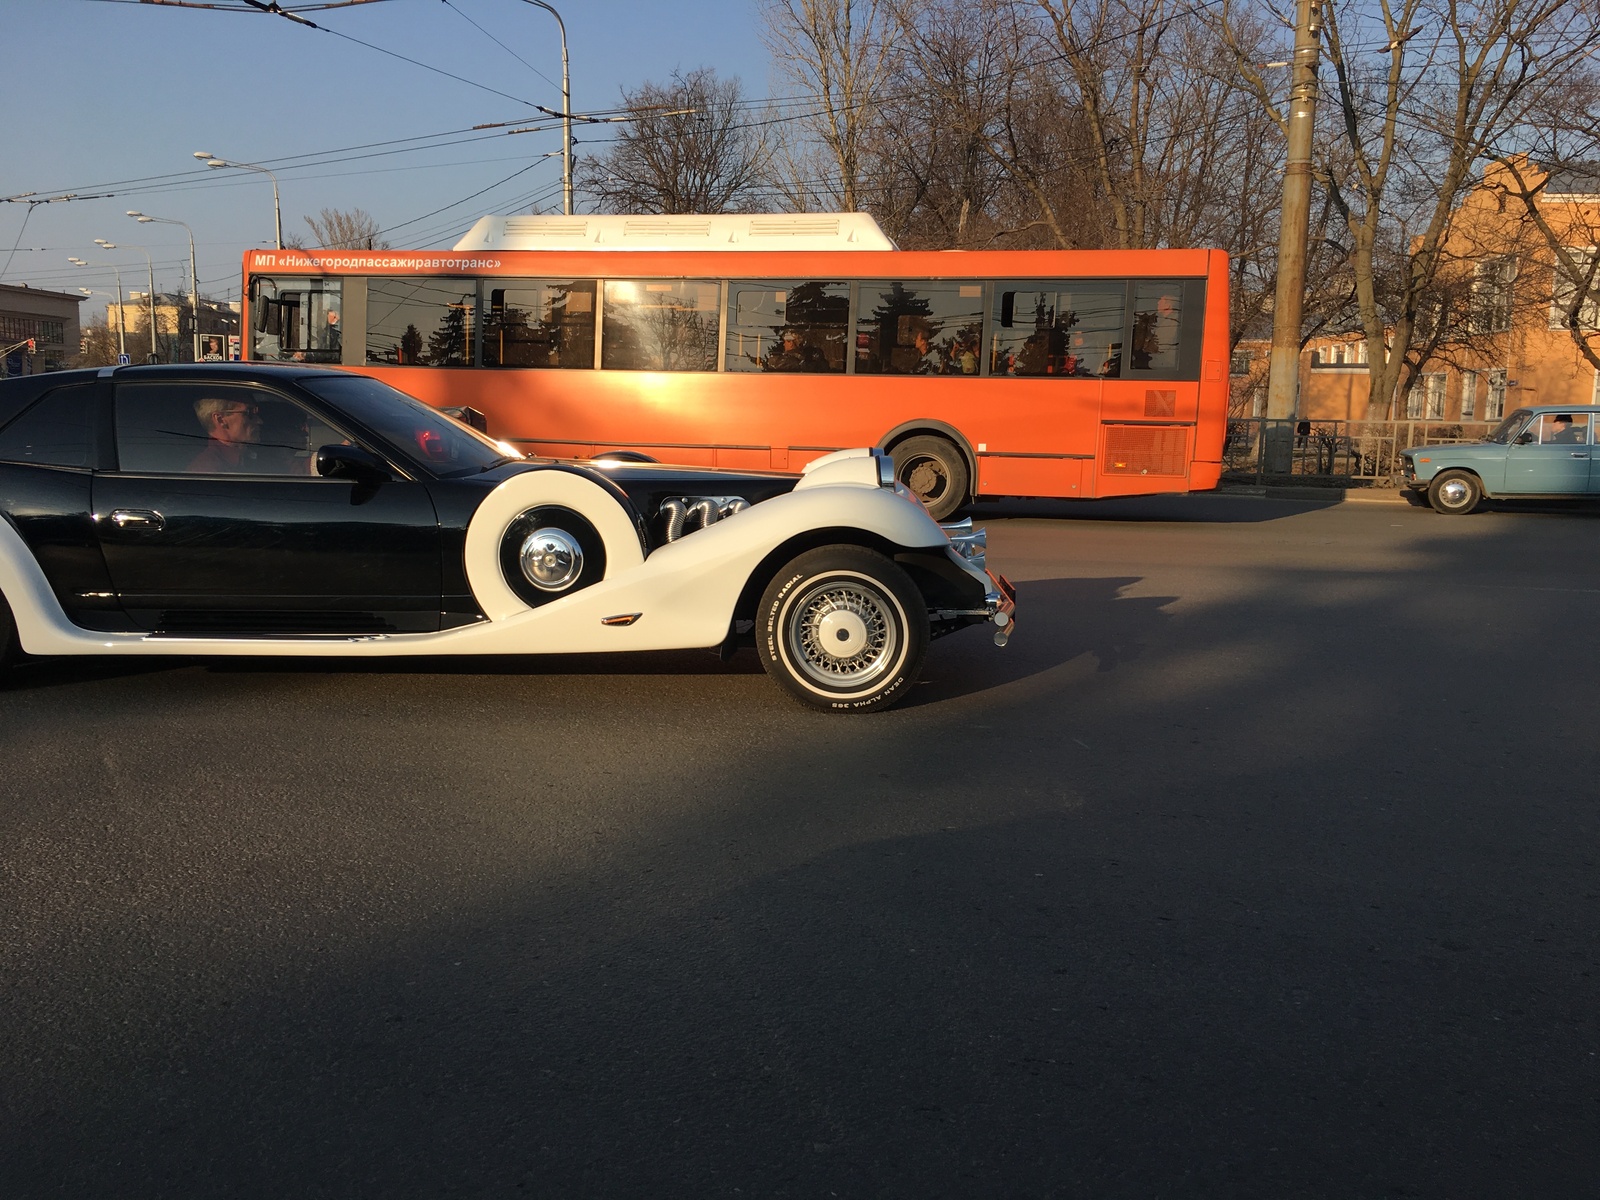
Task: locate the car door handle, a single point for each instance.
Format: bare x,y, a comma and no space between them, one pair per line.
1576,454
138,518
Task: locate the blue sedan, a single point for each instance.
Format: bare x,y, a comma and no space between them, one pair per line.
1543,453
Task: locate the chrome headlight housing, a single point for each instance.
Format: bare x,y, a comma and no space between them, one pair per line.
970,544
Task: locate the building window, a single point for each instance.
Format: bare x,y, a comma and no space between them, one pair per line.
1494,406
1565,289
1469,394
1239,364
1490,310
1433,396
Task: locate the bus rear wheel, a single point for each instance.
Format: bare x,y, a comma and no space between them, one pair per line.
935,471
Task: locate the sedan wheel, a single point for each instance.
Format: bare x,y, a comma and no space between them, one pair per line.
843,628
1455,492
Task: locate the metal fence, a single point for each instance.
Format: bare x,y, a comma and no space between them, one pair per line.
1335,452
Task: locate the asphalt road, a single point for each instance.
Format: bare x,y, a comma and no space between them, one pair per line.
1261,863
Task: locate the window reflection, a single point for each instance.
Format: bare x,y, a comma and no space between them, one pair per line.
1157,309
420,322
659,325
1071,328
919,329
787,326
539,323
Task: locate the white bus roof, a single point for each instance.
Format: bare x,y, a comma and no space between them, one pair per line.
720,231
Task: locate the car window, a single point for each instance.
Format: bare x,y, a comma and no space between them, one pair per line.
1509,428
216,429
447,448
1564,429
57,431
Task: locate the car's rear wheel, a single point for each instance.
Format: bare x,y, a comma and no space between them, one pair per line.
1455,492
843,628
935,471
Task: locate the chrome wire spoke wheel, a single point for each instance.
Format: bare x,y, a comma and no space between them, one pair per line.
842,635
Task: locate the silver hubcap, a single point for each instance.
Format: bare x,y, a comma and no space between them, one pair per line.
843,634
551,559
1454,492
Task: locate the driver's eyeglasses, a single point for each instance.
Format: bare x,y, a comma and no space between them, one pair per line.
253,410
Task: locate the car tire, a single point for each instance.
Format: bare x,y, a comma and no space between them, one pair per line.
935,471
1455,493
844,629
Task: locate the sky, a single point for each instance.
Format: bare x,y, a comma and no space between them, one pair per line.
110,101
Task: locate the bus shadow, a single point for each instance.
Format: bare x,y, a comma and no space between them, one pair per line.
1199,508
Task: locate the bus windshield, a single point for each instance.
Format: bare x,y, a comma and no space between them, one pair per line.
447,448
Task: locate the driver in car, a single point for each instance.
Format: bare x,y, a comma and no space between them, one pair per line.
233,428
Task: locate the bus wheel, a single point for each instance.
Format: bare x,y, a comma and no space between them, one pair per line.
843,628
935,472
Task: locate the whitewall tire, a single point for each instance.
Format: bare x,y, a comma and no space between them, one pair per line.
843,628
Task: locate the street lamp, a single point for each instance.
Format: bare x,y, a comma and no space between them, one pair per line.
566,108
194,283
211,160
150,295
122,322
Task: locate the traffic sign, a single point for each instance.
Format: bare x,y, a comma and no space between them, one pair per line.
123,360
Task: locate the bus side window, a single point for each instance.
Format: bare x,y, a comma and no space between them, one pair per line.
421,322
926,328
1061,329
661,325
1157,309
796,326
540,323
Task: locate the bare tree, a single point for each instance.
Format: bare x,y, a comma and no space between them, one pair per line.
1423,92
688,147
837,55
342,229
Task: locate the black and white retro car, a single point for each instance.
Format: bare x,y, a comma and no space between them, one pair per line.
239,509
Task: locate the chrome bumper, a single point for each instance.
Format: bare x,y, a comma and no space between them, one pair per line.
1002,605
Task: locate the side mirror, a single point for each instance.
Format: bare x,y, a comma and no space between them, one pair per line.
351,462
1524,439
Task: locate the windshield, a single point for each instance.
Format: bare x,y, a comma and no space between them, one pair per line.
1508,428
447,448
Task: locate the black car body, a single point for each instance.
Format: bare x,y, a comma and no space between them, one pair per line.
351,519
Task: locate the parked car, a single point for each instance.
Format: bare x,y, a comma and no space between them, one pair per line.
248,509
1543,453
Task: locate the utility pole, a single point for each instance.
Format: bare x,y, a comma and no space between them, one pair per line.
1283,380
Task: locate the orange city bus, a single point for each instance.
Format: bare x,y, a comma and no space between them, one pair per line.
1074,374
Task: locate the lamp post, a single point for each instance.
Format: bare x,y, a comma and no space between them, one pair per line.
194,283
150,295
211,160
122,323
566,109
